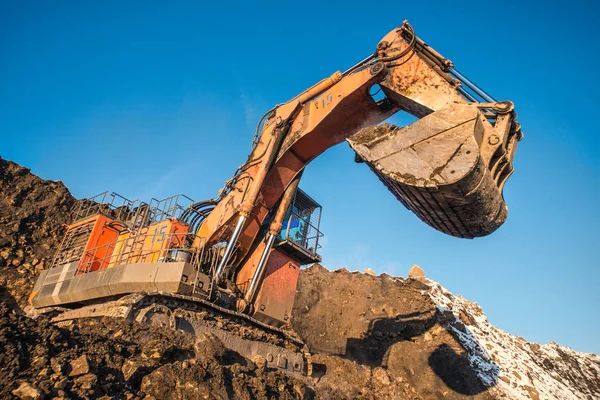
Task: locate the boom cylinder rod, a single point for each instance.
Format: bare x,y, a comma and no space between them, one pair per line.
472,86
274,230
467,94
319,87
359,64
259,269
432,54
229,249
247,205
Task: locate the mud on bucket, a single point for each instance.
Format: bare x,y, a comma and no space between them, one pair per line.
448,168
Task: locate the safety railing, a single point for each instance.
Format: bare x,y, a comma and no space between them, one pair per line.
133,213
143,248
112,205
299,229
170,207
72,245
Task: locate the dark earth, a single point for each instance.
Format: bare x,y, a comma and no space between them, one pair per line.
370,336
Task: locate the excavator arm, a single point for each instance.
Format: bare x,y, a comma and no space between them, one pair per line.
222,266
448,168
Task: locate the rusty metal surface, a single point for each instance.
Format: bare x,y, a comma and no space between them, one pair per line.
414,78
416,83
448,168
275,296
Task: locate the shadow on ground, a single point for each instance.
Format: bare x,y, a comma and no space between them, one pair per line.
452,367
8,299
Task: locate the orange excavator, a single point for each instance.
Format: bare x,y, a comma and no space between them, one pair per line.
229,266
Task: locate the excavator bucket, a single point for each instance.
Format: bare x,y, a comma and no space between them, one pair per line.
449,167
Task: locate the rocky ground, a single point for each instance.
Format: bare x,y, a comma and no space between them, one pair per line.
371,336
435,343
388,328
111,359
32,214
522,369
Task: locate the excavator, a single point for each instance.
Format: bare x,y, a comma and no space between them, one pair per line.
229,266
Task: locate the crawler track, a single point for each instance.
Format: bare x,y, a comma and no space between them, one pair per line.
239,332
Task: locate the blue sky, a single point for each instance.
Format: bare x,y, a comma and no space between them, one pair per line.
150,99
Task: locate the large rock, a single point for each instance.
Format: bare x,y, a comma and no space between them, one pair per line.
209,346
134,370
416,272
27,392
80,366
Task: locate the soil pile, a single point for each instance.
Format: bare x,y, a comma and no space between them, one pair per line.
384,328
371,336
32,214
109,358
525,369
413,332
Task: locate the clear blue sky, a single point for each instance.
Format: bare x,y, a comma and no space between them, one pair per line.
153,99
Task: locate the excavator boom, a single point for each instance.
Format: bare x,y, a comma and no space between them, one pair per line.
239,256
449,167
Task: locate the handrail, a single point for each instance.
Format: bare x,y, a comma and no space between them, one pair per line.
116,206
131,250
311,234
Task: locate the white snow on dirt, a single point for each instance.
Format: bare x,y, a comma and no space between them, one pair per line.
513,366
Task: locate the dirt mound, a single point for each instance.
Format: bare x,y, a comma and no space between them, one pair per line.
385,328
32,214
526,369
372,337
416,335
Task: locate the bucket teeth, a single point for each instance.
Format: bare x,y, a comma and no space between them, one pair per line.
448,168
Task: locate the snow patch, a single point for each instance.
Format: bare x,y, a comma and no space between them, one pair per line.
521,369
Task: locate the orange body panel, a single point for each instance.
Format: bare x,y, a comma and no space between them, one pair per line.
122,246
275,296
107,246
100,244
161,237
149,244
244,275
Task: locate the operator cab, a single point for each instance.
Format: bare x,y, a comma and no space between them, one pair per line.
299,237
